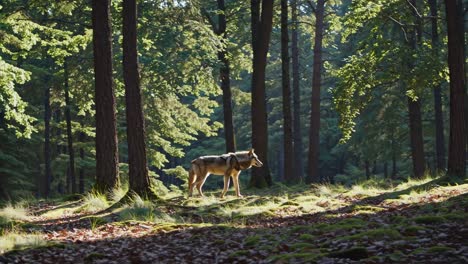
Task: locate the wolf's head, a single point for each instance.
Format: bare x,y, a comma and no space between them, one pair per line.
254,161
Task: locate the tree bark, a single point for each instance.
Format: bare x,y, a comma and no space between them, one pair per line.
385,169
82,156
288,173
71,152
457,141
261,31
297,137
314,134
47,150
138,169
224,73
439,121
394,166
414,109
367,167
107,160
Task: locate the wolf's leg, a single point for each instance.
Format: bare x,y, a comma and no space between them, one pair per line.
227,179
200,181
191,181
235,180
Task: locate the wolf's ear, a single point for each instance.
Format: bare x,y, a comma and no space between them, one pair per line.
251,151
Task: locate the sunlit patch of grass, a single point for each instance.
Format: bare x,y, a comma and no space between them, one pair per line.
205,201
58,213
367,209
262,209
143,210
360,191
93,202
325,190
413,182
117,194
13,212
14,240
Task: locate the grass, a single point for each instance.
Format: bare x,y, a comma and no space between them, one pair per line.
12,240
342,232
93,202
13,212
139,209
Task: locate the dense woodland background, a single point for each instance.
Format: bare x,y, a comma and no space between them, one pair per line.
340,91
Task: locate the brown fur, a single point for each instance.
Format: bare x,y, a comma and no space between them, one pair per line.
228,165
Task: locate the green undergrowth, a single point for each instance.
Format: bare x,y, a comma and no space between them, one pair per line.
17,240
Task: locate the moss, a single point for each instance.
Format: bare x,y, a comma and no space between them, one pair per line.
93,256
347,224
355,253
301,228
305,256
396,256
375,234
367,209
398,219
456,216
239,253
252,240
307,237
439,249
302,245
412,230
289,203
429,219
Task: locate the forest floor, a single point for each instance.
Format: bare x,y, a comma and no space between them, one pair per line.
413,222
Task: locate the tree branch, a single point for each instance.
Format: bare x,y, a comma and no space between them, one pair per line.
402,26
210,20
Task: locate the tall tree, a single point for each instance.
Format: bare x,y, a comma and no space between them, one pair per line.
261,31
439,121
107,160
297,137
457,140
414,104
224,73
289,174
138,169
314,134
47,151
82,156
71,151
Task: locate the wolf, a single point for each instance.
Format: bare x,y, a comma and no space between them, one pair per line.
227,165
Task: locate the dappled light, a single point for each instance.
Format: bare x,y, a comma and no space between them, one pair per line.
365,222
233,131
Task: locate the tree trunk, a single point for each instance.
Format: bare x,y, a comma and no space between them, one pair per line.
107,160
297,137
414,109
385,169
394,166
417,145
82,156
439,121
287,116
261,31
138,170
224,73
314,134
58,132
367,165
71,152
45,190
457,141
374,168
